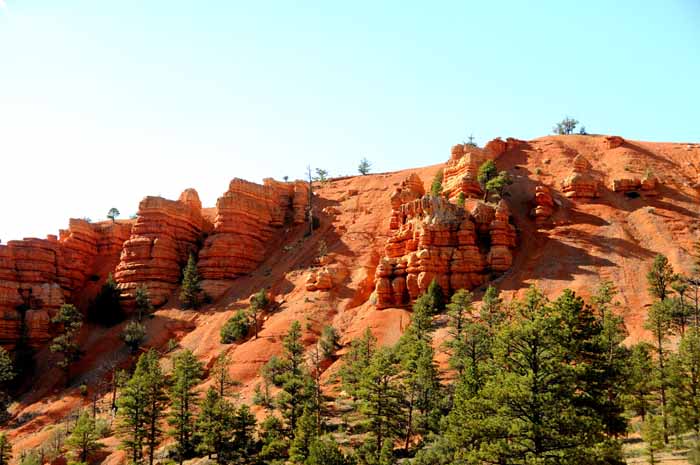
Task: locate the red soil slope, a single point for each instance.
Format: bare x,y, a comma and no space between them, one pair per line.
586,240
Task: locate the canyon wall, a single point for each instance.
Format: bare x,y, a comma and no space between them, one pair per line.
38,275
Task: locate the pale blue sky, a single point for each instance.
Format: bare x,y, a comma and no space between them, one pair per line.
102,103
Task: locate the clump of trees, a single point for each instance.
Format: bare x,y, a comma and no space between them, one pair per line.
491,180
566,126
238,326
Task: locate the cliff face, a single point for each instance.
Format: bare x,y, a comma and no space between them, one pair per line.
165,234
247,217
38,275
434,239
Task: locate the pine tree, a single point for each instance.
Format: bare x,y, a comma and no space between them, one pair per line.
7,374
83,440
436,298
436,186
66,343
660,277
492,312
325,451
653,435
293,379
356,360
214,425
487,171
222,379
141,406
5,450
659,323
364,167
681,311
640,373
685,382
328,342
258,303
187,372
498,184
304,434
274,444
143,302
191,288
380,400
243,442
133,335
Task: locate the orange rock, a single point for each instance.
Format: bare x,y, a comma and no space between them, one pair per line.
435,239
38,275
496,147
613,142
165,234
580,183
248,215
544,204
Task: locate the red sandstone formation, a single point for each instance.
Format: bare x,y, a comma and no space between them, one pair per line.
436,239
461,170
496,147
164,235
647,185
544,204
38,275
247,217
411,189
580,183
613,142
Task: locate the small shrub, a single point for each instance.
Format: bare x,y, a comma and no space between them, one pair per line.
133,335
538,171
83,390
103,428
172,344
460,199
436,186
329,341
322,248
236,328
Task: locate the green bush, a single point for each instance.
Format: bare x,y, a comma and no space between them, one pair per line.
236,328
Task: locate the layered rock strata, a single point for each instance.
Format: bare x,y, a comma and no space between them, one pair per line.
435,239
544,204
165,234
247,217
646,185
581,183
37,276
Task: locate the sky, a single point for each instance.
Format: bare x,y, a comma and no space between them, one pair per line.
103,103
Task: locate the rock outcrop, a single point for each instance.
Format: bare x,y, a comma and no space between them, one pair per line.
37,276
461,171
646,185
164,235
581,183
247,217
613,142
544,204
435,239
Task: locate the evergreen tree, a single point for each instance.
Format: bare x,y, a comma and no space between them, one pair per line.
653,435
235,329
7,374
243,443
492,312
357,359
380,400
685,382
5,450
106,309
436,298
461,199
681,311
214,426
83,440
133,335
364,167
274,444
304,435
191,288
258,303
487,171
293,379
187,372
325,451
66,343
113,213
498,184
329,342
436,185
222,379
659,323
640,385
141,406
143,302
660,277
